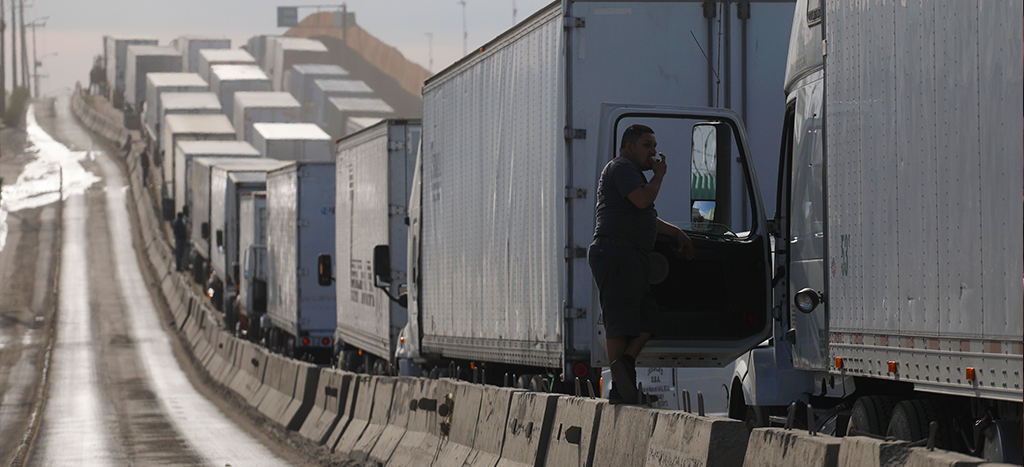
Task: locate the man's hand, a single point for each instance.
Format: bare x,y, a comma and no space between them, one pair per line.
684,244
659,166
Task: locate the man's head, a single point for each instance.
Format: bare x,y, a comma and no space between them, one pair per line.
181,215
639,145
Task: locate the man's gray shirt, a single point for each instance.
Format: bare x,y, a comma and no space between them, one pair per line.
616,216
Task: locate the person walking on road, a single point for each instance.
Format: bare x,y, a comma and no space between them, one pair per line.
626,227
180,239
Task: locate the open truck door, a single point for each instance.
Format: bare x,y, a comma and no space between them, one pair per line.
717,305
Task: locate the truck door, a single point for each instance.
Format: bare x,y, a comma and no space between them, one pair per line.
716,306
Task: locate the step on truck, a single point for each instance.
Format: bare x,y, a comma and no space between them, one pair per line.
898,280
374,170
515,136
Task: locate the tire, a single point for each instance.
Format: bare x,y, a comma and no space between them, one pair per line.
910,420
871,414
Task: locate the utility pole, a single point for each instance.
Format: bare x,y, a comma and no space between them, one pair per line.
14,45
24,50
465,35
3,60
430,49
35,61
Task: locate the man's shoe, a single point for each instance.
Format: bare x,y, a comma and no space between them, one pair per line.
614,398
625,378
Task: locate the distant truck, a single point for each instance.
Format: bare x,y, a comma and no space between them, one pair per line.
190,47
185,127
324,89
300,198
374,170
301,78
263,107
252,244
292,142
898,261
142,60
115,53
226,80
229,179
210,57
287,51
340,111
156,85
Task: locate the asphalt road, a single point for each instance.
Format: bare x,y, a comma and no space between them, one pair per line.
116,395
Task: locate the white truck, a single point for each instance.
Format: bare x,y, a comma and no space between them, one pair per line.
300,198
301,78
189,47
324,89
374,170
115,53
292,142
186,151
898,256
229,179
156,85
286,52
226,80
210,57
515,136
339,111
263,107
186,127
252,248
142,60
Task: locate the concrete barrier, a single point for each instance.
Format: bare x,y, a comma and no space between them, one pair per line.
491,425
682,438
329,406
227,369
861,451
307,376
404,400
383,395
778,447
624,435
279,381
422,432
220,358
574,431
248,380
345,435
528,430
464,417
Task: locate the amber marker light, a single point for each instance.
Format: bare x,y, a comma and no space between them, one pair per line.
839,362
892,367
970,374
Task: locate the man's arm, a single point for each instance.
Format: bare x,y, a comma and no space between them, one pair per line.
644,196
683,241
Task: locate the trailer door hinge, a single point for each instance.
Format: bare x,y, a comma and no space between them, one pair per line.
575,133
573,22
396,145
575,253
575,313
575,193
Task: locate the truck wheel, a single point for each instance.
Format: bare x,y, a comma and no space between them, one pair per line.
910,420
871,414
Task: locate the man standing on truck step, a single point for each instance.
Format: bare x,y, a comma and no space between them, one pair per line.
626,227
180,239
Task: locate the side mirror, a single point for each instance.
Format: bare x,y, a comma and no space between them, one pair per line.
220,238
381,266
324,274
204,229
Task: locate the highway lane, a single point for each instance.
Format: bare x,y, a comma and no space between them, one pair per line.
117,394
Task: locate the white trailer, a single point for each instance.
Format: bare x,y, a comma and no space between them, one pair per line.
156,85
259,47
899,290
252,248
142,60
187,151
292,142
186,103
290,51
263,107
226,80
177,128
210,57
374,170
300,197
190,47
339,110
324,89
229,179
515,136
115,53
300,79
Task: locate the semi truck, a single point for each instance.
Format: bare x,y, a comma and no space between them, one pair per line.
502,206
300,226
300,79
190,47
897,283
263,107
285,52
115,53
226,80
292,142
252,286
324,89
210,57
142,60
186,127
339,111
374,170
156,85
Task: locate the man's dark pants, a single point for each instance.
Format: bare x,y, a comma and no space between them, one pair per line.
179,253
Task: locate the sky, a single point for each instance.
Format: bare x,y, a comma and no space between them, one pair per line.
74,29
